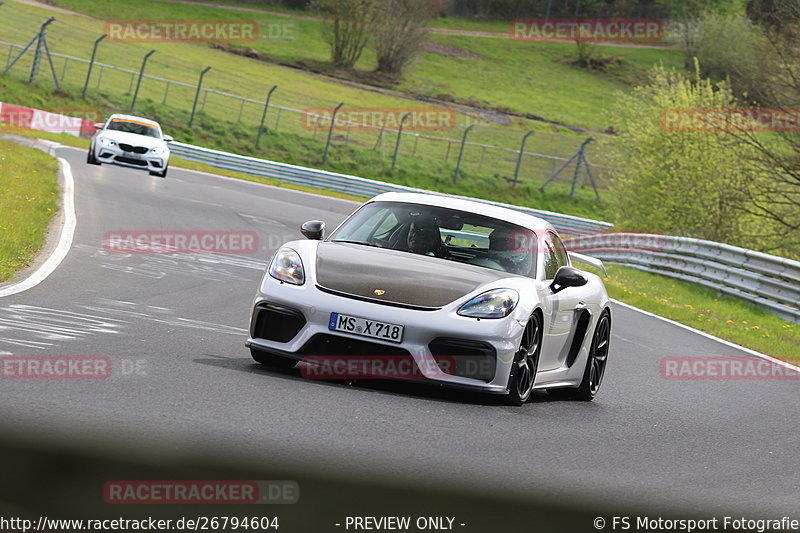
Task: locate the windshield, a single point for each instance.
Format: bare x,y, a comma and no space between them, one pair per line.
130,126
443,233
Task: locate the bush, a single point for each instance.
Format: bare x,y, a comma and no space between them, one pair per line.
728,48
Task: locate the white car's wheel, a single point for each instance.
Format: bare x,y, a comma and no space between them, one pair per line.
595,364
90,158
162,174
526,362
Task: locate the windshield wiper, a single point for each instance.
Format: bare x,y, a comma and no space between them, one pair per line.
362,243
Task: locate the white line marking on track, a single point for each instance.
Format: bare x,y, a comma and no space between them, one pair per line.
64,242
712,337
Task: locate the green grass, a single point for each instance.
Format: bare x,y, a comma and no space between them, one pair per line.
521,77
297,89
724,316
28,201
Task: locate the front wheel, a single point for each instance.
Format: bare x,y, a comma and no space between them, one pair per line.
272,361
162,174
90,158
526,363
595,364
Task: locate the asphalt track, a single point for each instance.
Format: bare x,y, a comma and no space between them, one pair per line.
180,320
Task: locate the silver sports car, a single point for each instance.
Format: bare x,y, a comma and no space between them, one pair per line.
439,289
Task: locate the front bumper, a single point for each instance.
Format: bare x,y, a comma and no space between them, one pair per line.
116,156
301,327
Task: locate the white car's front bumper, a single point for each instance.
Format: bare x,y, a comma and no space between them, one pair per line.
113,154
499,338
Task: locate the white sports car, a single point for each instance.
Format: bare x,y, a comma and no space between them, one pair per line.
130,142
471,295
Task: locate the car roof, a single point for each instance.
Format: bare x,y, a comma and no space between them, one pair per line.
135,119
470,206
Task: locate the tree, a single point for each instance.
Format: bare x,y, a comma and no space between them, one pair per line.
677,182
401,32
778,152
687,18
349,25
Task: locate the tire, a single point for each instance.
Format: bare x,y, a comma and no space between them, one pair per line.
595,364
526,363
271,360
162,174
90,157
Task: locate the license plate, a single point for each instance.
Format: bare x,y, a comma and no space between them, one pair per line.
366,328
132,155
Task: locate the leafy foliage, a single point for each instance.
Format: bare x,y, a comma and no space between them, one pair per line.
683,183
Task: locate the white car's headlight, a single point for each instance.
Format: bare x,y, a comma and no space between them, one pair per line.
158,150
497,303
107,142
287,266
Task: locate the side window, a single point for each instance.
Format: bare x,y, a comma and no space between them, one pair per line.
560,250
550,258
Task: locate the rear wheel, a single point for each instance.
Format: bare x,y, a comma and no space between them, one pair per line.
595,364
526,362
271,360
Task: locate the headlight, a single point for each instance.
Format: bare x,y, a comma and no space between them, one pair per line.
497,303
287,266
158,150
107,142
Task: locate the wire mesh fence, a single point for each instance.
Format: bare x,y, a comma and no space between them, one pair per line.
489,150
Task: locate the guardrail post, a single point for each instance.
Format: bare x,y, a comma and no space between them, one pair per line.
91,64
197,94
264,115
330,133
141,74
397,144
461,152
519,157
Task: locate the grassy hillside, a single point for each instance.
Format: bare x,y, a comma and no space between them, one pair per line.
497,73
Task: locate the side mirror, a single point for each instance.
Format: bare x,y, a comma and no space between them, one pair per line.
313,229
168,138
568,276
98,125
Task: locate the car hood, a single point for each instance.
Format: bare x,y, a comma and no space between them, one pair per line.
406,279
132,138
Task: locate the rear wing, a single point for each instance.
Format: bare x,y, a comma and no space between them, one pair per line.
587,260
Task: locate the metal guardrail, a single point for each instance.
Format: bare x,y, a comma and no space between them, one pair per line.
767,280
353,185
